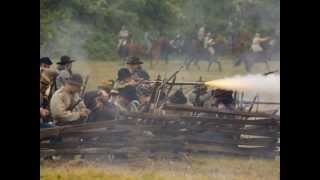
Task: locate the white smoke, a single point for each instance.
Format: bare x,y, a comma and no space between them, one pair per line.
266,87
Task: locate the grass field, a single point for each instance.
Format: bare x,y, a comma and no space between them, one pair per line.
103,70
196,168
202,168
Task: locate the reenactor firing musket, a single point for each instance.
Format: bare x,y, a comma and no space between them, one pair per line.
83,90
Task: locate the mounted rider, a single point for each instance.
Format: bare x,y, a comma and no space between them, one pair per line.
124,37
147,39
177,42
256,43
209,43
201,33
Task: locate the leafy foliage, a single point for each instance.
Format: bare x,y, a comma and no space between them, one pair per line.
91,27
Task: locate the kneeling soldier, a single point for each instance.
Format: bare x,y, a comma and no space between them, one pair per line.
65,98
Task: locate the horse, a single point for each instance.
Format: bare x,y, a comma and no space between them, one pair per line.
249,58
239,42
131,49
195,52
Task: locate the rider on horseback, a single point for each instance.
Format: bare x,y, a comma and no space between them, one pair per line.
124,36
256,43
209,43
177,43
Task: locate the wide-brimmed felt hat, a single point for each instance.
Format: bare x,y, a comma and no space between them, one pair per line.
45,60
134,60
123,73
65,60
75,79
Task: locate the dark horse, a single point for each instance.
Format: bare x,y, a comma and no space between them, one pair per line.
195,52
249,58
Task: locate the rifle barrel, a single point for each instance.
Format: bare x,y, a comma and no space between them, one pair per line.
176,83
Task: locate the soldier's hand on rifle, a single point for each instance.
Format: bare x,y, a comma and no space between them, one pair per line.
85,113
44,112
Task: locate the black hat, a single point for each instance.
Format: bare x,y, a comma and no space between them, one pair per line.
123,73
65,60
178,97
89,98
45,60
134,60
75,79
128,92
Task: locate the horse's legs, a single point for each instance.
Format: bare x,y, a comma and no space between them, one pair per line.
247,66
196,62
267,65
219,65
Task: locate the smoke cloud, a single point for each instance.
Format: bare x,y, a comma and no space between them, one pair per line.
265,86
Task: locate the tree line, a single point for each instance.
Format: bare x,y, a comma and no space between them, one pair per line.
90,28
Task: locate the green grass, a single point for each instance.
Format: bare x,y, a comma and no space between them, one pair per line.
105,70
202,168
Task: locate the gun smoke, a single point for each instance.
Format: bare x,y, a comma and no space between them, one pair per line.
252,84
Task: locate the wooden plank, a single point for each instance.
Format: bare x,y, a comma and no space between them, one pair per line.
251,142
208,119
206,110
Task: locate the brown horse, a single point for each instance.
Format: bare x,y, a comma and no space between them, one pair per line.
130,50
239,42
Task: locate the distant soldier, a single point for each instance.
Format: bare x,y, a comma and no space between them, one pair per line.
135,67
210,44
65,98
123,37
201,33
45,63
206,39
127,101
64,69
256,43
147,42
177,43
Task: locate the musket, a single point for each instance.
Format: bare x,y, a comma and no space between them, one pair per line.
154,93
187,83
270,72
166,82
81,94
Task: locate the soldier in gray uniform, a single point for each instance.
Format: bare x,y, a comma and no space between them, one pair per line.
66,97
134,65
64,70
